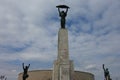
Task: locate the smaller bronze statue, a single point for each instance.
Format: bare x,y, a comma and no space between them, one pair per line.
63,14
25,74
106,73
3,77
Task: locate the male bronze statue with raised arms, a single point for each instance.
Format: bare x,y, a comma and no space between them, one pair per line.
25,73
106,73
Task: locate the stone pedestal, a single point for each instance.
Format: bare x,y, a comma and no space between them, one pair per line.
63,67
63,71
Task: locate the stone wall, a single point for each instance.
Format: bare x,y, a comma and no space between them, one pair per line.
47,75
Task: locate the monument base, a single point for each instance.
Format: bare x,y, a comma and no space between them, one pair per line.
63,71
47,75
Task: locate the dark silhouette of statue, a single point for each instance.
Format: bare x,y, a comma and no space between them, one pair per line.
25,73
63,14
106,73
3,77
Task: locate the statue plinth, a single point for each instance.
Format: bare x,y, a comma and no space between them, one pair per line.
63,67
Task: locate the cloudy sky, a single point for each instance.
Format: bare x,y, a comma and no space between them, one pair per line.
29,32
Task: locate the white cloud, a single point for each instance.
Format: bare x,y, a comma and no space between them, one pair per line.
90,67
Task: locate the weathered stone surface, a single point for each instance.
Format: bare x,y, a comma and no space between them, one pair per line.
63,71
63,54
47,75
63,67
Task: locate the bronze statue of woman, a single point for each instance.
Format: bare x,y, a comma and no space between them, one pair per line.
63,14
25,73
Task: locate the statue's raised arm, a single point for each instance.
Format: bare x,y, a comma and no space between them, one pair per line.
28,65
23,65
103,67
59,11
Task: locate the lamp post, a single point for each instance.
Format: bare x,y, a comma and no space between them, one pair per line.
63,9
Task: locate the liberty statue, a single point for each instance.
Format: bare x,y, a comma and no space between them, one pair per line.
63,14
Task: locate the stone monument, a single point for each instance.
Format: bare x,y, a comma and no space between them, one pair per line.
63,68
